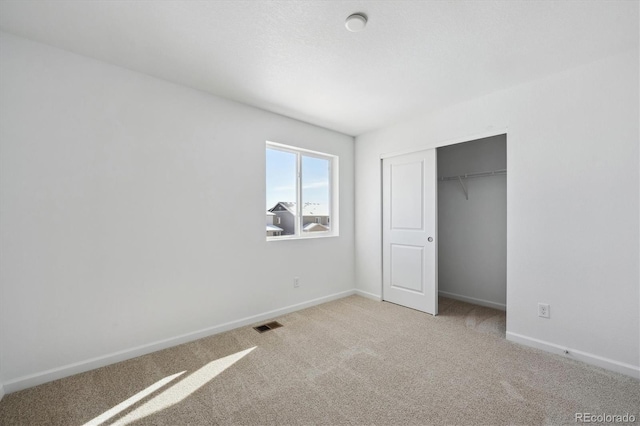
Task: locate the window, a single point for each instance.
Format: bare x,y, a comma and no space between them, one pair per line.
301,193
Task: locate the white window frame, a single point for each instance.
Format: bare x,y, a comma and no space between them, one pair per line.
333,192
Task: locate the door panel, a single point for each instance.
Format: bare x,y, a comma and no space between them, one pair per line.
407,267
407,195
409,250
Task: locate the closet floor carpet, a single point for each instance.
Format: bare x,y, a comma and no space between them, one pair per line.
350,361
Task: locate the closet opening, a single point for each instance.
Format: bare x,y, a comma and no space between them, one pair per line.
472,222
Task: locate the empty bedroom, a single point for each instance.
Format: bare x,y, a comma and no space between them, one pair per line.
451,192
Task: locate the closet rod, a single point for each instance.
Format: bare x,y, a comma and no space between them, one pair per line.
474,175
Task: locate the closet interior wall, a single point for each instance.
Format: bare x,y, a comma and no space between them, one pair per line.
472,232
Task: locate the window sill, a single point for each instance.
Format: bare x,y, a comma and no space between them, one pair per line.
301,237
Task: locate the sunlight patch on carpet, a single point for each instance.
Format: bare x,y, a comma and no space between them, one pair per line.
181,390
131,401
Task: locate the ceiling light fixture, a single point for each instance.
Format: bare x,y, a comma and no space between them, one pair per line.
356,22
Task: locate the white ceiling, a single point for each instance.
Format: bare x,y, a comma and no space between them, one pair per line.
296,58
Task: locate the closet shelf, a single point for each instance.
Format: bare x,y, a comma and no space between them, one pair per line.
472,175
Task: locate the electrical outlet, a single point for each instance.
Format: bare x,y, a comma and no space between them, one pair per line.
296,282
543,310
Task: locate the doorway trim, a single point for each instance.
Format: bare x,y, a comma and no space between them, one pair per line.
448,142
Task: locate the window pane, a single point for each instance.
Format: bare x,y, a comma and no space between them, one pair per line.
281,192
315,195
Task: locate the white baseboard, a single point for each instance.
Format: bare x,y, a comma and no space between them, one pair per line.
368,295
93,363
481,302
598,361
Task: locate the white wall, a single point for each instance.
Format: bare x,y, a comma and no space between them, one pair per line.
572,200
1,369
133,215
472,233
2,392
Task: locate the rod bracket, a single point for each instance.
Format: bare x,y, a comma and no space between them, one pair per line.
464,188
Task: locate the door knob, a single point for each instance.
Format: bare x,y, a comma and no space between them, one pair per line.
430,239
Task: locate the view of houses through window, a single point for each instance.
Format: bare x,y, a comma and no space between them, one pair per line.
298,191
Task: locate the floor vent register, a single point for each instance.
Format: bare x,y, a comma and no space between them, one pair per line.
268,326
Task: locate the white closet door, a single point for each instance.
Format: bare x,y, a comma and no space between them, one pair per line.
409,250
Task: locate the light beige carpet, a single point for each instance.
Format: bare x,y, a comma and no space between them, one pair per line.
351,361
